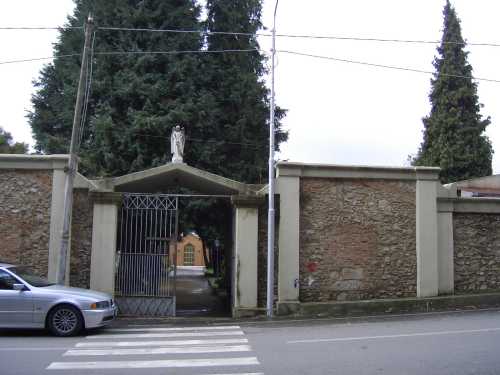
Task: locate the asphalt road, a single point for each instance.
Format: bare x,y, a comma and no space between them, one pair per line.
448,343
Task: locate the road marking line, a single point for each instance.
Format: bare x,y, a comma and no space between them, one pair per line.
13,349
158,343
436,333
205,362
164,350
240,373
177,334
168,329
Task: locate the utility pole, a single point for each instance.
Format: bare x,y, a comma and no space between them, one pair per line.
73,158
271,214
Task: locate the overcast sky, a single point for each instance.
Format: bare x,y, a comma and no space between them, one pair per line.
337,112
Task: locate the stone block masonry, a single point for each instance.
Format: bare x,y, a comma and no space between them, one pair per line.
25,202
81,239
357,239
477,252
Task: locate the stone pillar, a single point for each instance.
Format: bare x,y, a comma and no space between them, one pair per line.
56,224
427,231
246,214
288,188
445,248
104,228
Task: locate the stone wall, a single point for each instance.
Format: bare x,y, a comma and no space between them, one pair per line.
357,239
81,239
262,254
476,240
25,202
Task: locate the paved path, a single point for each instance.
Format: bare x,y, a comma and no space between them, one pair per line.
195,296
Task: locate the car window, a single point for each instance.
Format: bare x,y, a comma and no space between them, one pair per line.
29,276
7,281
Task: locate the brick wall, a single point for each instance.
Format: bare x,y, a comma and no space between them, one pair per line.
357,239
25,201
81,239
476,240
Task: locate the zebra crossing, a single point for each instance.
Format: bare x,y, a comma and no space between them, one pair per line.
205,349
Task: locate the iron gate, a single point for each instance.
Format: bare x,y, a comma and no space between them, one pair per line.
146,255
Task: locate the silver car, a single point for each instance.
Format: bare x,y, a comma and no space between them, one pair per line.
29,301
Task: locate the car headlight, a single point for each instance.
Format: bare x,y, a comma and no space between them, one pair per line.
100,305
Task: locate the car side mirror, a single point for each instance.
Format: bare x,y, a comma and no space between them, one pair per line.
19,287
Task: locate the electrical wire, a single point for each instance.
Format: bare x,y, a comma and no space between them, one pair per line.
176,52
110,53
386,66
296,36
188,139
38,59
89,73
41,28
302,36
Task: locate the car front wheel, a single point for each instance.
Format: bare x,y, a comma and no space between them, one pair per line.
64,320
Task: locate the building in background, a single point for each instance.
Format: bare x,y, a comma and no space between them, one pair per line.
190,251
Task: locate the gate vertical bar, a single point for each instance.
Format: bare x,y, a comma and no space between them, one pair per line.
175,255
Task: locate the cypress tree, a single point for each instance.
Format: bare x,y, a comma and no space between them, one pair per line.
453,136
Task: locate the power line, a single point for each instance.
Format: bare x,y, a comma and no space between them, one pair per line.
386,66
188,139
110,53
180,31
41,28
302,36
38,59
176,52
408,41
88,81
297,36
393,67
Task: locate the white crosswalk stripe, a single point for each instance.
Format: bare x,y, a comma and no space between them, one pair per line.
219,347
165,335
159,343
172,329
197,362
164,350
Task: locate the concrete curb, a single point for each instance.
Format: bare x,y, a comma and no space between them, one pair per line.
340,310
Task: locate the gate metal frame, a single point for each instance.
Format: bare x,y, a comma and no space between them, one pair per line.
146,253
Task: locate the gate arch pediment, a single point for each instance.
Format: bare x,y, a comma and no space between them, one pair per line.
175,175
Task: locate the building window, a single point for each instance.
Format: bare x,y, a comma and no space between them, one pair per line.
189,255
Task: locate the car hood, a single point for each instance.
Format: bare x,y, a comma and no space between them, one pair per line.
80,292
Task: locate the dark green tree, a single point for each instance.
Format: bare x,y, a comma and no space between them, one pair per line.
235,100
136,98
8,146
453,136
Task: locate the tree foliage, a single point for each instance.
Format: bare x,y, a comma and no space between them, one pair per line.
8,146
454,130
136,99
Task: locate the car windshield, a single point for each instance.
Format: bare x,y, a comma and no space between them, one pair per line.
29,276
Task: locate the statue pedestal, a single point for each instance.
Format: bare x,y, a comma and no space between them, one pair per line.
177,160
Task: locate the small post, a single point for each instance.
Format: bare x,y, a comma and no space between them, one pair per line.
270,215
73,160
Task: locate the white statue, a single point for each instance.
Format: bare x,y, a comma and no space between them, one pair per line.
177,140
